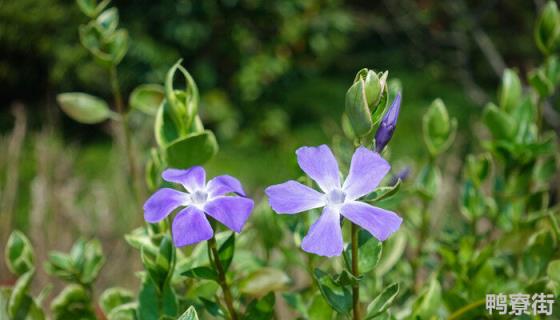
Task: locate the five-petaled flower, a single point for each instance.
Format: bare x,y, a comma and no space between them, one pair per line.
367,169
190,224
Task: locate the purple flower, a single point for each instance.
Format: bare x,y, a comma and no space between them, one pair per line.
190,224
388,124
324,238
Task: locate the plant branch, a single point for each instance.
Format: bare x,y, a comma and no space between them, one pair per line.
222,278
356,273
126,136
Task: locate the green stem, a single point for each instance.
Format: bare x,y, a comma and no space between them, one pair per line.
356,273
457,314
424,228
222,277
126,135
554,223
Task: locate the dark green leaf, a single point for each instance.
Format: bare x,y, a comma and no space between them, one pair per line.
261,309
206,273
226,251
212,307
194,149
339,298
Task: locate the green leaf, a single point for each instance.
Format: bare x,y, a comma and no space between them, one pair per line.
5,294
74,302
213,308
498,122
112,298
319,309
428,181
382,193
339,298
383,301
295,301
428,302
19,253
553,270
147,98
194,149
357,108
226,251
108,20
478,167
540,82
154,303
125,311
206,273
439,131
369,250
16,304
190,314
394,248
537,254
60,265
183,103
261,309
90,7
148,307
547,29
93,261
264,280
117,46
510,91
84,108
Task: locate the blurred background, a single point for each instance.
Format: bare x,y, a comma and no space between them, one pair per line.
272,77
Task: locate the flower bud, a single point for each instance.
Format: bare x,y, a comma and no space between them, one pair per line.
547,29
362,99
388,124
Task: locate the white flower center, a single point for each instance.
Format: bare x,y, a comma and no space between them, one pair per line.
199,197
336,197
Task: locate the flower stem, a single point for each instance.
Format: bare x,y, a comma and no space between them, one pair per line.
356,273
457,314
222,277
125,135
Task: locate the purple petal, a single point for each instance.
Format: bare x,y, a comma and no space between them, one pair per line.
293,197
192,179
162,203
320,165
221,185
379,222
230,211
190,226
325,235
366,172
